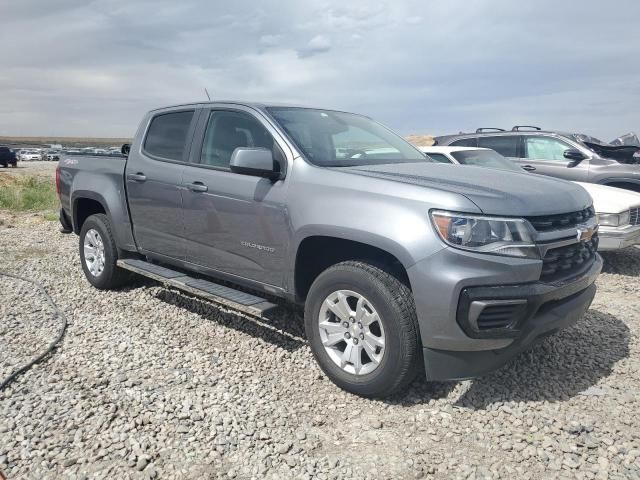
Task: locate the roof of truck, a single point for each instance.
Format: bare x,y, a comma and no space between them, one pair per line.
259,105
256,105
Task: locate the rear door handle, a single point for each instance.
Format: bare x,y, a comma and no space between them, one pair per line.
197,187
529,168
137,177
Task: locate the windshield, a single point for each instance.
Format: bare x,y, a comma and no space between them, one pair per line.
337,139
485,158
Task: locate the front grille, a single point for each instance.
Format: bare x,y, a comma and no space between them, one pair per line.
565,261
496,316
546,223
634,218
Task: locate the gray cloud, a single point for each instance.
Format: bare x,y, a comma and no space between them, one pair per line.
318,44
77,68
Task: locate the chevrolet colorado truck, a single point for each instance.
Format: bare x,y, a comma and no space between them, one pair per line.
400,264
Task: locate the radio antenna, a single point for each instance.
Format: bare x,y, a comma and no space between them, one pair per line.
205,91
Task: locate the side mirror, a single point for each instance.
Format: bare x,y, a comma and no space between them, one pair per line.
575,155
126,148
253,161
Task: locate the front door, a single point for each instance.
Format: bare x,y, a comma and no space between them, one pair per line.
154,183
545,155
235,224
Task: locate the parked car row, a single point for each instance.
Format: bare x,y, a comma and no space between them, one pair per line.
42,154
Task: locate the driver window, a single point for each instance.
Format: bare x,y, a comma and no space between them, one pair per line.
545,148
228,130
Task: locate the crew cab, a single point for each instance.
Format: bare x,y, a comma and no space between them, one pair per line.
395,260
617,210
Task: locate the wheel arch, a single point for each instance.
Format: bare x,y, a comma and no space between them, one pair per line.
316,252
84,204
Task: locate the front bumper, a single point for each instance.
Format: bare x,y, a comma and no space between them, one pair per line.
618,238
453,351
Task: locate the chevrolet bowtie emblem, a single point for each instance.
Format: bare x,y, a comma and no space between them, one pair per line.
585,233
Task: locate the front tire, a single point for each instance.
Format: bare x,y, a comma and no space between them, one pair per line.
99,254
361,323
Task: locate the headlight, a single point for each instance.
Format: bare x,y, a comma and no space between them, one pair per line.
499,236
614,219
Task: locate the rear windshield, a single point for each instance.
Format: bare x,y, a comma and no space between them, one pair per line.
338,139
485,158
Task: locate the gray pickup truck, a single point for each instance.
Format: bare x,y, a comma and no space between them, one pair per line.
398,262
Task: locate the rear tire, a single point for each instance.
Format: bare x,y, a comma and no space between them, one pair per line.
354,287
99,254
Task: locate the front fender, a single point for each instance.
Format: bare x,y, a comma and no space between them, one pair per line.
385,243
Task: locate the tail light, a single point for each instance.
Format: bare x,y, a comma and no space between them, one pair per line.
58,181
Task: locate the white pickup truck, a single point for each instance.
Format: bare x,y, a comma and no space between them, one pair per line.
618,210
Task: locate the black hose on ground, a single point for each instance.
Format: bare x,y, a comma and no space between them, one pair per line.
52,345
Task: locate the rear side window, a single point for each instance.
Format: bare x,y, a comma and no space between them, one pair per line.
167,135
507,146
465,142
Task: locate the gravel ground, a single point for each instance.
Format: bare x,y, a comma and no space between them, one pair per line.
149,383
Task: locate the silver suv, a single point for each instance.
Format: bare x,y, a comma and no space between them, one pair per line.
571,156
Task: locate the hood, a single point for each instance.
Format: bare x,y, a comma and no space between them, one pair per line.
495,192
611,199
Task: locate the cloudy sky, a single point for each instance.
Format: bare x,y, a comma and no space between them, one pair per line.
80,68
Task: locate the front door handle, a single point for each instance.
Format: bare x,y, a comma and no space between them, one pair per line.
137,177
529,168
197,187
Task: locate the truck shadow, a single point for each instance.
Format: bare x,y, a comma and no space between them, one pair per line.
558,368
623,262
281,327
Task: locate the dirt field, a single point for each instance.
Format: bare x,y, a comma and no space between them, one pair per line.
36,169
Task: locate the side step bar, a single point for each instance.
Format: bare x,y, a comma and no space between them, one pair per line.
229,297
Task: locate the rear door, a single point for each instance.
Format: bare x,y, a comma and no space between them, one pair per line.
235,224
544,154
154,182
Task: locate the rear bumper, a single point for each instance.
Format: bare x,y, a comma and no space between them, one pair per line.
618,238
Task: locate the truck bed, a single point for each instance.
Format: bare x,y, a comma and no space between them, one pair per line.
96,177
